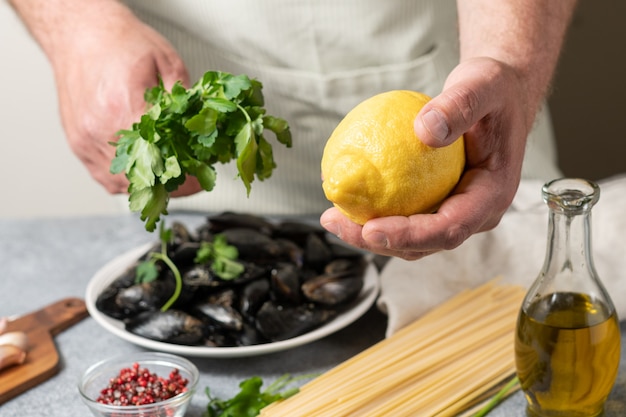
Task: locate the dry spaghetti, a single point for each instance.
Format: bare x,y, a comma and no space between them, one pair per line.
440,365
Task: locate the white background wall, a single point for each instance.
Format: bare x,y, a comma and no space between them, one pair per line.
39,175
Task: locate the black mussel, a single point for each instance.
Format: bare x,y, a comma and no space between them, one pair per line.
297,231
290,251
225,317
285,279
107,299
249,336
253,245
201,275
180,234
219,309
276,322
252,297
225,297
171,326
216,337
230,220
204,234
251,272
317,253
184,254
145,296
331,290
346,266
341,283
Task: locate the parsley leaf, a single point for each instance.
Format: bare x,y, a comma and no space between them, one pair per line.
250,399
222,256
185,132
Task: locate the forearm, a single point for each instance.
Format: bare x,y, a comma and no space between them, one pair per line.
54,24
526,35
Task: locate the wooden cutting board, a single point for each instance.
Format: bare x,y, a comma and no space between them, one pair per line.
42,358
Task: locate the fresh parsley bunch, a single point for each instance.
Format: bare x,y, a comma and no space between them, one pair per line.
187,131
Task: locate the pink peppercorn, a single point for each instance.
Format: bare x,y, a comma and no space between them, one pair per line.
138,386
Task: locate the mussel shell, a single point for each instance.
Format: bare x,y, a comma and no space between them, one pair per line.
225,317
181,234
219,309
229,220
124,298
291,252
252,297
276,322
201,275
286,281
145,296
331,290
253,245
171,326
249,336
106,301
184,254
297,231
341,282
317,253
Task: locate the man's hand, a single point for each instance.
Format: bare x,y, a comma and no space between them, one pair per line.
485,101
103,59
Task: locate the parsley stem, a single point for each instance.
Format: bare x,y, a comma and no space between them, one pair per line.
179,281
497,398
245,113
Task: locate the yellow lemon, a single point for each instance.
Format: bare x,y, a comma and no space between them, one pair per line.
375,166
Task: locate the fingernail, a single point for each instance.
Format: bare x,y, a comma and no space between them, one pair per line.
333,228
436,125
377,239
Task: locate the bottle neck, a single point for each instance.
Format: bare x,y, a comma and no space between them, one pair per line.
569,244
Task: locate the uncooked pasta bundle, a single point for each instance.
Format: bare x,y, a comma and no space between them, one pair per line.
440,365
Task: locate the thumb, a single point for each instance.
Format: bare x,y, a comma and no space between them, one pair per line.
448,116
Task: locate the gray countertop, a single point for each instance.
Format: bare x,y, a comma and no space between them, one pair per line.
45,260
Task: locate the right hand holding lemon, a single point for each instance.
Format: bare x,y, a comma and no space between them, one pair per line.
486,102
375,166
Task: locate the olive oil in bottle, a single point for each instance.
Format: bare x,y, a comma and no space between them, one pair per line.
568,353
567,342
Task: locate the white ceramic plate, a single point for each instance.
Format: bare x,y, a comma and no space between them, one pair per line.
114,268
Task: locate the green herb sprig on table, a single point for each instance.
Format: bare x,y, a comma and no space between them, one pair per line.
250,399
187,131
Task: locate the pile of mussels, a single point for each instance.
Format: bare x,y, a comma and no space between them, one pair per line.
295,280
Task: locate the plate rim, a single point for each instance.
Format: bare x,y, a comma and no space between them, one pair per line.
111,270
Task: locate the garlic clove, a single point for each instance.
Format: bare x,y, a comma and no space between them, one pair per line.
11,355
18,339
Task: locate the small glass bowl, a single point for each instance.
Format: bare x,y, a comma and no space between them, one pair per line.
97,377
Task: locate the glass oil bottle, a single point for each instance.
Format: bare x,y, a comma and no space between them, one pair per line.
567,342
